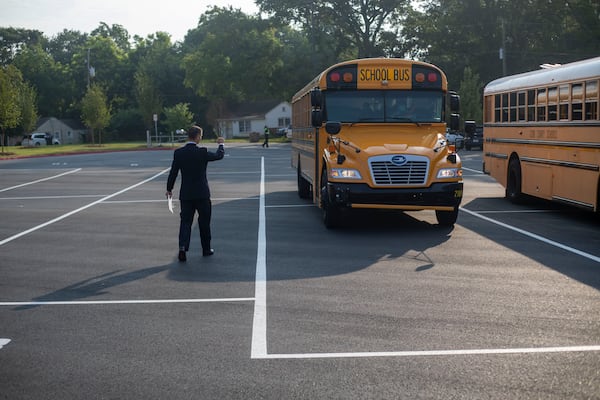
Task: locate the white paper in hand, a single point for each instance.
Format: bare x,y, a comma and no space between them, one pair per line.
170,203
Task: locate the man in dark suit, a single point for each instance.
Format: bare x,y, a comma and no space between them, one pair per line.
194,193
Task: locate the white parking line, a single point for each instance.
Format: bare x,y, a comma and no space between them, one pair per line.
4,342
259,326
40,180
421,353
107,302
35,228
534,236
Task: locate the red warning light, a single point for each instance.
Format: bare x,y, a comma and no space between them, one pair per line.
432,77
334,77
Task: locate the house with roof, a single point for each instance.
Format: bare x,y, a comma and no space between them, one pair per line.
253,117
67,131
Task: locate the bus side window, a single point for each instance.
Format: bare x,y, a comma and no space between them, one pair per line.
541,102
531,105
552,106
576,100
591,100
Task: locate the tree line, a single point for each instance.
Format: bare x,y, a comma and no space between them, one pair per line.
115,83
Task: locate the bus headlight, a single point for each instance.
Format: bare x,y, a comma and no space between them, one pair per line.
449,173
344,173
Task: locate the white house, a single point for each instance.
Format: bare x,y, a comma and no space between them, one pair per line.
248,118
67,131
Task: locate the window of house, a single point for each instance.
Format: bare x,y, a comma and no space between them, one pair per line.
245,125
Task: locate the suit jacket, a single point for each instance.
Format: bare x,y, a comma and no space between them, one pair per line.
192,161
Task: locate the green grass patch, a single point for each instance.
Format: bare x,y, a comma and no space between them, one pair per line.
40,151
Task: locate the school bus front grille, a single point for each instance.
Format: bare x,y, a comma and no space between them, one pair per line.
411,172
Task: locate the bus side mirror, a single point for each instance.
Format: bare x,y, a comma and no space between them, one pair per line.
316,98
316,118
333,128
454,122
454,102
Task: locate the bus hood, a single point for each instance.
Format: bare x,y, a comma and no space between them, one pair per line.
379,140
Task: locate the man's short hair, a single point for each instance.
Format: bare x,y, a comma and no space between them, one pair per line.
194,132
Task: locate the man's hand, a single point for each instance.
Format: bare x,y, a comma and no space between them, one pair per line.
169,194
220,140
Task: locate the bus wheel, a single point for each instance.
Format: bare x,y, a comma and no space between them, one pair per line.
513,182
330,213
303,185
447,218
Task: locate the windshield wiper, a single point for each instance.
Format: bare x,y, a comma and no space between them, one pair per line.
403,119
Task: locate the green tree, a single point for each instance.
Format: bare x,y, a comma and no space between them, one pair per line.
470,96
66,43
51,80
148,99
13,40
10,113
28,106
235,59
178,117
364,25
454,34
95,112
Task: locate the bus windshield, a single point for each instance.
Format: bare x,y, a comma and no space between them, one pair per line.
384,106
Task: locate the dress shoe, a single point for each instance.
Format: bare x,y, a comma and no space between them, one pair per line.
182,257
208,252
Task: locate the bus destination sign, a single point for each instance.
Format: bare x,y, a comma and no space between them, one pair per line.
371,77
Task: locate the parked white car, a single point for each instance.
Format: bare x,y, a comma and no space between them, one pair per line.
39,139
456,139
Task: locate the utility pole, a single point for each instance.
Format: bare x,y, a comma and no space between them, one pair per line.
503,48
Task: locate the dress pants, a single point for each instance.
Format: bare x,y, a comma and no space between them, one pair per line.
188,209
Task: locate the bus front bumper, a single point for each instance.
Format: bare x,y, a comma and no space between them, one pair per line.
438,196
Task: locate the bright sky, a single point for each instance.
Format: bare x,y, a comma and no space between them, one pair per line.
139,17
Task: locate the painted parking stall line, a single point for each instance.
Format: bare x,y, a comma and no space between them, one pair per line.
4,342
534,236
60,218
259,327
41,180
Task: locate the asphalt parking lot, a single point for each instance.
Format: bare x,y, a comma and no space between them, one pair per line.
94,304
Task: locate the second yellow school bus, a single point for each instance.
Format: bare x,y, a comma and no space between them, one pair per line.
370,133
542,134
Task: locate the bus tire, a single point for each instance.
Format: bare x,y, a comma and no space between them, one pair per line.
329,212
447,218
303,185
513,182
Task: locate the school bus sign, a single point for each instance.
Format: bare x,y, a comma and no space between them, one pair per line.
375,77
382,75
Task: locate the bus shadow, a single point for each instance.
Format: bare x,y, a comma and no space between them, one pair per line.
300,247
568,226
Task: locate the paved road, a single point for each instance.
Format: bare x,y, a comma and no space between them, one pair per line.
93,303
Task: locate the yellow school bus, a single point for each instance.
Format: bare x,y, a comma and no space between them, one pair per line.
542,133
370,133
